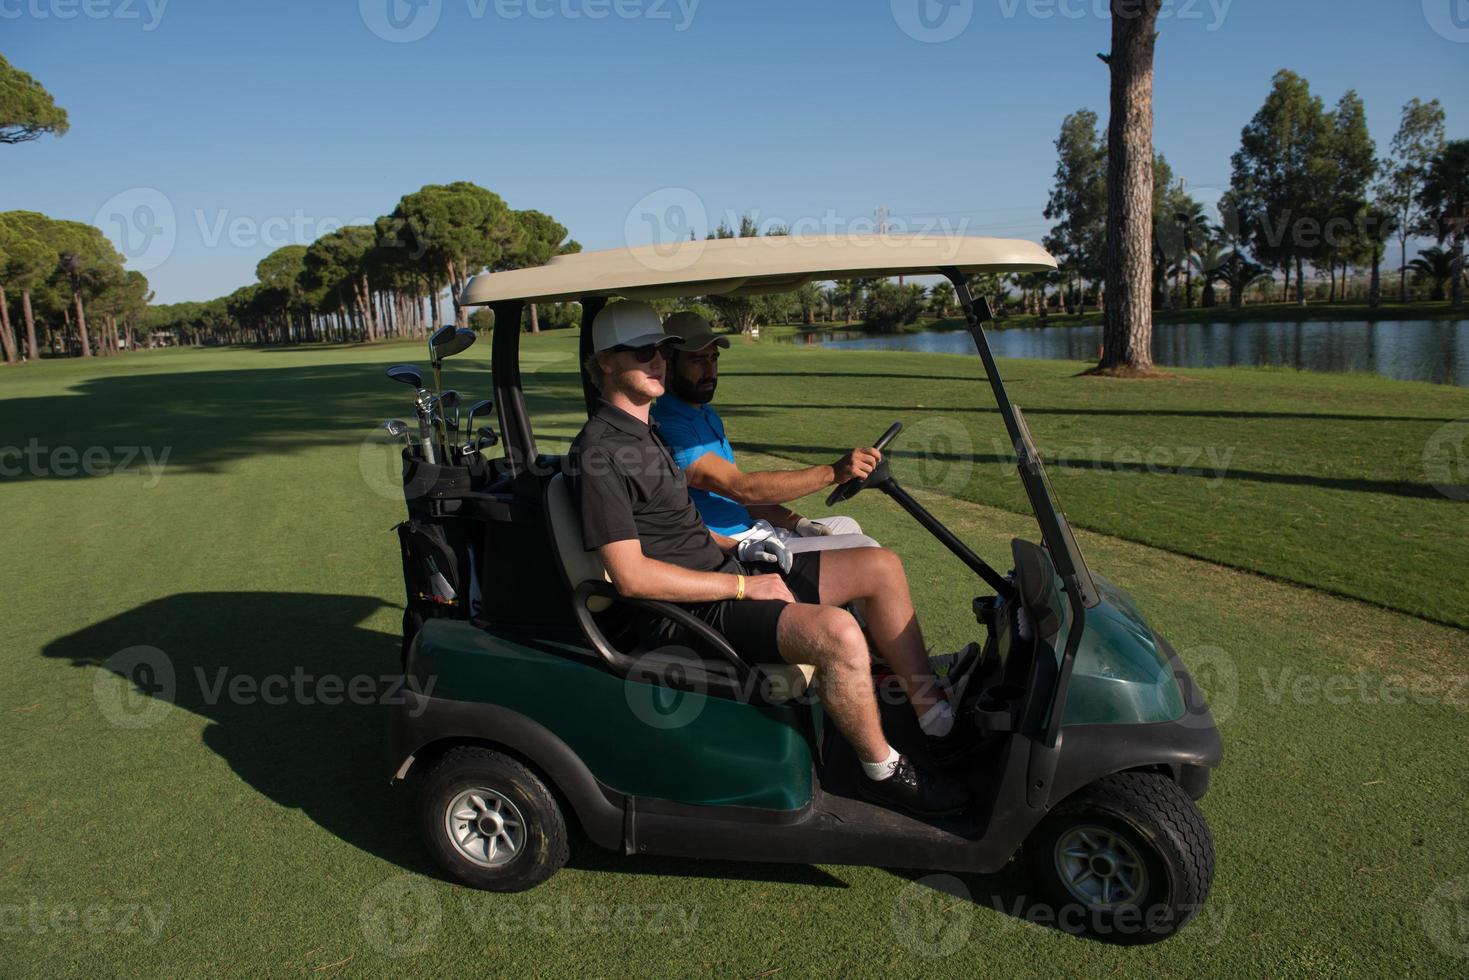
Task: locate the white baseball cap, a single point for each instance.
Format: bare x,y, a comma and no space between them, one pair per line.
694,331
628,324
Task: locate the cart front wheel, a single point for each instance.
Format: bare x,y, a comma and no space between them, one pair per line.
490,822
1129,859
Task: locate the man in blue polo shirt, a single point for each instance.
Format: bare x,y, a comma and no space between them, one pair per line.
732,502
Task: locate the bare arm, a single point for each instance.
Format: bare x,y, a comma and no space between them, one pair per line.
714,473
637,576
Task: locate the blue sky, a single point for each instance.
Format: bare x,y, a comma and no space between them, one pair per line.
264,122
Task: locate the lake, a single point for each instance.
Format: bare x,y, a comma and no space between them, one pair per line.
1408,350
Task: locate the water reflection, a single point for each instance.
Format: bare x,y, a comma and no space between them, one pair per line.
1409,350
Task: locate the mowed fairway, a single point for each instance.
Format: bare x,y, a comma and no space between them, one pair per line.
215,829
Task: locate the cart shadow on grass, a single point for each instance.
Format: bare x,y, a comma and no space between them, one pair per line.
222,653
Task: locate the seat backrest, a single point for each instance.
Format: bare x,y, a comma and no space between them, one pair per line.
579,564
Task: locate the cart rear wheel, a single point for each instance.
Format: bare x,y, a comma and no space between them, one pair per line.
1128,859
490,822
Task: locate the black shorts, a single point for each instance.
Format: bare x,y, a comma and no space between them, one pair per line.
750,624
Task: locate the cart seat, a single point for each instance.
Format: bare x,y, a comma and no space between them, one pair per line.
583,567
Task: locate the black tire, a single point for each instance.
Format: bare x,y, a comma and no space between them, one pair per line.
1128,815
516,796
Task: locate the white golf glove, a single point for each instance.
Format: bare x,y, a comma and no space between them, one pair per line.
807,528
762,545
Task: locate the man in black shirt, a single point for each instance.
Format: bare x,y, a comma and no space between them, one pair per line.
636,513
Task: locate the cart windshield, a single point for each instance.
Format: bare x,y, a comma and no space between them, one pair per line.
1055,529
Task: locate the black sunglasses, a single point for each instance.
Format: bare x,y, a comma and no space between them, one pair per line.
645,354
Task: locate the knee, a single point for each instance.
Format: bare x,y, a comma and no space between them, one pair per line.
888,565
843,638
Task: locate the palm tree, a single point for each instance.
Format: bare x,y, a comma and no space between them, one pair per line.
1193,227
1437,266
1239,274
1211,257
1445,196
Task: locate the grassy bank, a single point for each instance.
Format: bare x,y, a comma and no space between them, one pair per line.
204,834
1325,480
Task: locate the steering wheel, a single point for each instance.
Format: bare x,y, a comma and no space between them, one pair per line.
879,474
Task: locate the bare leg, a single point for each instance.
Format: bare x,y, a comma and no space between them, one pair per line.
876,575
830,639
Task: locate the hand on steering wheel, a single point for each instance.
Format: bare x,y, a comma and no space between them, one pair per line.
851,488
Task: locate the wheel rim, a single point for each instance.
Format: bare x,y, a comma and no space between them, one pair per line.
485,827
1100,868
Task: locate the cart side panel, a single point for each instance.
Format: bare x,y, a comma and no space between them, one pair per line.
636,738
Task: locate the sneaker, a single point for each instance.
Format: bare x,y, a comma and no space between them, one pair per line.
910,788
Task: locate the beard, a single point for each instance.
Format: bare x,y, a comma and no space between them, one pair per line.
693,392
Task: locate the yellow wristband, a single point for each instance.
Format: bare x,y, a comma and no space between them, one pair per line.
739,587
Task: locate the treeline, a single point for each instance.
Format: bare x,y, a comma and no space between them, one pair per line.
1307,188
368,282
63,289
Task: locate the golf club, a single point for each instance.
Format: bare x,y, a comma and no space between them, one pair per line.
398,429
423,403
448,401
437,341
478,408
446,342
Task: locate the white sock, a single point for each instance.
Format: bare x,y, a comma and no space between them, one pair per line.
938,720
884,769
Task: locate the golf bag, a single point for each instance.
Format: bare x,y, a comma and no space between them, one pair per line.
441,540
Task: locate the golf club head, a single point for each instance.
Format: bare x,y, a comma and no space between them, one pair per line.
407,374
457,343
439,341
449,399
487,437
397,428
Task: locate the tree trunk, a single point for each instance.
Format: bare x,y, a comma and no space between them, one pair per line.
535,320
1331,274
7,338
1403,271
1374,291
1127,336
1457,268
461,316
1300,281
25,308
76,295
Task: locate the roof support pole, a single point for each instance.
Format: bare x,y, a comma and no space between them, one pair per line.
520,442
590,307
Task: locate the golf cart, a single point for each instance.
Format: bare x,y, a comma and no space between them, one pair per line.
534,706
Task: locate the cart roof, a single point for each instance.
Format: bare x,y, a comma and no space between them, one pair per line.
745,266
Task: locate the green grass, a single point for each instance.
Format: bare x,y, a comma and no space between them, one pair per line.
264,838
